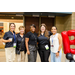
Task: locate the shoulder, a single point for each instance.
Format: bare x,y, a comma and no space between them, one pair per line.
28,33
36,33
6,32
5,35
59,35
18,34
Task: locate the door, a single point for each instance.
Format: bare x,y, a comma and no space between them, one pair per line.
48,21
31,20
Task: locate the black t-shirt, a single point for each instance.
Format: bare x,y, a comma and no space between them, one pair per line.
42,41
32,38
18,43
8,35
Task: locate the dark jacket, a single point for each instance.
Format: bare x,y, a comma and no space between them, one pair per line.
19,39
8,35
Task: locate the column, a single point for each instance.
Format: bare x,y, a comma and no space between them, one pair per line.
23,20
39,20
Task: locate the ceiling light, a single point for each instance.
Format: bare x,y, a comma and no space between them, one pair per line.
35,15
51,16
19,14
12,17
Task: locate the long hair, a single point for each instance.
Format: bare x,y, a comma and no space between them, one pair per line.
46,31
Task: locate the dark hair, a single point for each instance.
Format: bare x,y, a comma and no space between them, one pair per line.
46,31
12,23
33,25
55,27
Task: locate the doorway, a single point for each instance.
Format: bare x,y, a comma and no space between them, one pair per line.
48,21
29,21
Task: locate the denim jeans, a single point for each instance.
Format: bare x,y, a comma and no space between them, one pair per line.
54,58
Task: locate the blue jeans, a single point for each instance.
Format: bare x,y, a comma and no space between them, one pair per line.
54,58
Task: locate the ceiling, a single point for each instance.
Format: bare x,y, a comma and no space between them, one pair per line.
36,13
10,13
11,20
19,15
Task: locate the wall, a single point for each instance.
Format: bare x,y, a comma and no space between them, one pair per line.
73,27
73,21
67,22
6,26
59,23
63,23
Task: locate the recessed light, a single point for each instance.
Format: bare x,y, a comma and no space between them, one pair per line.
35,15
12,17
51,16
19,15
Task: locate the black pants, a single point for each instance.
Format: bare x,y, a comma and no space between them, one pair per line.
44,55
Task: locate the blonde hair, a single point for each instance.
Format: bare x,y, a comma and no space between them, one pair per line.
46,31
21,27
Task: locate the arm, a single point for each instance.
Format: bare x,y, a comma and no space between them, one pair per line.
5,38
60,44
26,42
5,41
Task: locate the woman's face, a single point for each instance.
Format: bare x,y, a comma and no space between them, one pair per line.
32,29
22,30
12,27
54,30
43,29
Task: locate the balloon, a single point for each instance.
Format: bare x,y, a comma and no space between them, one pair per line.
67,42
72,61
69,56
2,30
65,39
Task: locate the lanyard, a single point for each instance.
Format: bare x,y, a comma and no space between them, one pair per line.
14,37
53,37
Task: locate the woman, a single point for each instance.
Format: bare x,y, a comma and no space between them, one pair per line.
44,43
20,48
56,44
31,44
10,40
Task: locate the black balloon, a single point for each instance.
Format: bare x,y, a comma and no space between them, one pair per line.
69,56
72,61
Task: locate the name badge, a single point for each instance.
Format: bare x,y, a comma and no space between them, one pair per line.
52,45
14,45
47,47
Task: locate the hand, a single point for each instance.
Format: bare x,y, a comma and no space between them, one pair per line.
57,54
28,52
9,40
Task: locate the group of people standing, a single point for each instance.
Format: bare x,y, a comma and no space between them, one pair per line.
44,42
